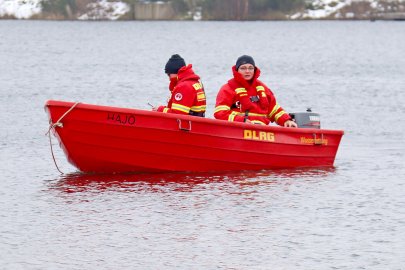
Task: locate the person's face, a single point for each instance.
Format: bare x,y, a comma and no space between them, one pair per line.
172,76
247,71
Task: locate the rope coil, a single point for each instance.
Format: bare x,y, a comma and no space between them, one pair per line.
53,126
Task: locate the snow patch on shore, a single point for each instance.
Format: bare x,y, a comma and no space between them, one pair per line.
20,9
103,10
324,8
98,10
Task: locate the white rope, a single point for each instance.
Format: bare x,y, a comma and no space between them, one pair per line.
58,124
53,156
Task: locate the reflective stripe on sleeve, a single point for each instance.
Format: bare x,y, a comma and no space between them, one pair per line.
231,117
201,108
179,107
279,115
222,108
276,107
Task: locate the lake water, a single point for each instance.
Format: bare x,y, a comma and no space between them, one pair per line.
350,217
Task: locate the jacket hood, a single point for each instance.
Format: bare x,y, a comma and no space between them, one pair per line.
239,78
187,73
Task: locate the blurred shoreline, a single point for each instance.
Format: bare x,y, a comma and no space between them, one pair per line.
236,10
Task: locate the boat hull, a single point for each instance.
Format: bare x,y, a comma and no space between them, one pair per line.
107,139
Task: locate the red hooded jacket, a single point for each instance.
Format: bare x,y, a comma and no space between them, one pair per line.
239,100
187,94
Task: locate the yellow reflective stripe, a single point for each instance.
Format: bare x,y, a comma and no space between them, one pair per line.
222,108
276,107
240,90
198,108
252,114
279,115
257,122
255,114
200,96
259,88
232,116
179,107
165,110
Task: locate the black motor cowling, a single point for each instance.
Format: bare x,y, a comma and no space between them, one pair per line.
307,119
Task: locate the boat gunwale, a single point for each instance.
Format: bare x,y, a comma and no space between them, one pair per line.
217,122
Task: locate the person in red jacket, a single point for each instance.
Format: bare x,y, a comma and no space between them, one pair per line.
246,99
187,92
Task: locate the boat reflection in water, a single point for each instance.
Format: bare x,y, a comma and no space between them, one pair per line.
182,182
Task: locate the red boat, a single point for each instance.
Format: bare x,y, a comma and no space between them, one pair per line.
107,139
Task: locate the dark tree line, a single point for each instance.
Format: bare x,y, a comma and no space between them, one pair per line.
247,9
211,9
63,9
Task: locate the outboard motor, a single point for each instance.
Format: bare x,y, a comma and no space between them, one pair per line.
307,119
